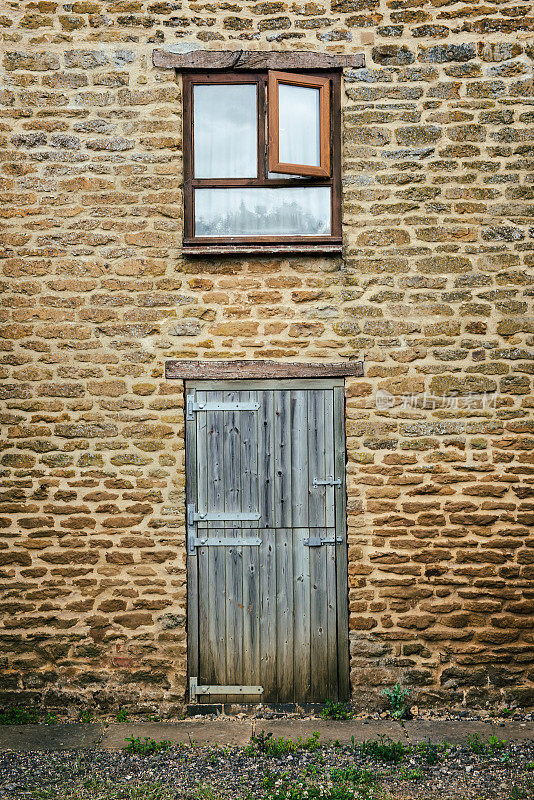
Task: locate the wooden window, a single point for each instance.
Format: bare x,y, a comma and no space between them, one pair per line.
299,124
262,162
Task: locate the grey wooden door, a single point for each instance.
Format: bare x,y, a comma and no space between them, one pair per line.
266,469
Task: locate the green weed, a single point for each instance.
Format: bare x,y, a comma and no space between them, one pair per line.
384,749
265,743
518,793
355,775
503,712
146,746
50,718
122,715
429,752
334,710
85,715
16,715
476,745
96,790
496,744
397,699
288,789
411,774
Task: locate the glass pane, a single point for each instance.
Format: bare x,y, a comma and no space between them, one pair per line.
299,124
225,130
291,211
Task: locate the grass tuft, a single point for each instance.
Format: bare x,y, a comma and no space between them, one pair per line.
146,746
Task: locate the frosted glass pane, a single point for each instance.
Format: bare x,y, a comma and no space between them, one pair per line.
258,211
225,130
299,125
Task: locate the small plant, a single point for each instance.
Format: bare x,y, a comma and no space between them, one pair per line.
476,745
85,715
16,715
496,744
384,749
286,788
122,715
99,790
146,746
518,793
265,743
429,752
506,759
50,718
355,775
398,700
411,774
334,710
530,766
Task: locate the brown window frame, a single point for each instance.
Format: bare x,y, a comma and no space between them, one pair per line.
313,82
322,243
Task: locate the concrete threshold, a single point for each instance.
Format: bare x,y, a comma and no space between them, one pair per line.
113,737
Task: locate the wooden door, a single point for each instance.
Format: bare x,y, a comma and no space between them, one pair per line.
266,470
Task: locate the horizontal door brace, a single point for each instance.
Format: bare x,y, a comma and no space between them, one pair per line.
213,541
220,516
195,690
193,406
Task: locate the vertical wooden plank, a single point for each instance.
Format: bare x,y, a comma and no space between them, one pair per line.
284,544
284,614
301,559
300,484
342,609
234,614
268,604
192,561
231,435
329,464
215,576
301,615
282,459
267,622
316,465
249,460
266,458
233,555
251,577
331,621
317,555
214,467
251,614
319,621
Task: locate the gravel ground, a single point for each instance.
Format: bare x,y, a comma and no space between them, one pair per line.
233,773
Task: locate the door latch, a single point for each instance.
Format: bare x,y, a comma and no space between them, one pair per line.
330,481
317,541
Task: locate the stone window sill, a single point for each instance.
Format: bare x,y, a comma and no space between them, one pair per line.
331,248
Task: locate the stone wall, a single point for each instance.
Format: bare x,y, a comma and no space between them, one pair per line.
433,290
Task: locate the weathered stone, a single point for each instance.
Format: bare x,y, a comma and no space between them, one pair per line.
442,53
393,55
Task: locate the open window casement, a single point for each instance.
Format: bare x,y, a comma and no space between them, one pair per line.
299,124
